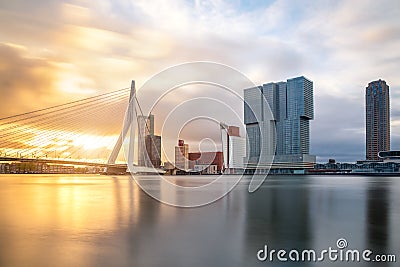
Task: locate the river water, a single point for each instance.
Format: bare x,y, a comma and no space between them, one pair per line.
83,220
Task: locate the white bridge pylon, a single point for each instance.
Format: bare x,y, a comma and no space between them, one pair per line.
129,125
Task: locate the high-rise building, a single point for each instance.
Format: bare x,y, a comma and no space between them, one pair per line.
280,116
153,149
182,156
377,109
149,144
299,111
260,126
234,150
285,134
145,128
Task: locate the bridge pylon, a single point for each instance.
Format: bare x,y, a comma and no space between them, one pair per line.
128,126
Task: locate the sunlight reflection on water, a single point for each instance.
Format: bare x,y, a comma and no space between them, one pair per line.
66,220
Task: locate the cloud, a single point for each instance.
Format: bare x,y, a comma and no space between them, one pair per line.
336,134
25,83
28,84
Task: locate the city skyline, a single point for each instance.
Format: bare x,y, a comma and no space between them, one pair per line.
57,51
199,133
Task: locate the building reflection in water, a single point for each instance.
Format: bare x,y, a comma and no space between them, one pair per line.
109,221
378,195
173,236
278,216
337,210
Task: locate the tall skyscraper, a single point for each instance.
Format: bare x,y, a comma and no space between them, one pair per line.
377,109
149,144
287,133
145,128
260,126
182,156
299,111
153,149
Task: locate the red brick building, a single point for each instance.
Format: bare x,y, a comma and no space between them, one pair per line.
206,158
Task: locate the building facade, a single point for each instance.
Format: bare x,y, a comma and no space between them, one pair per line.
153,149
234,150
182,156
237,152
149,144
377,110
285,134
204,162
145,128
260,127
299,111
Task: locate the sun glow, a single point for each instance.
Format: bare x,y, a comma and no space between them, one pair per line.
62,144
72,82
91,142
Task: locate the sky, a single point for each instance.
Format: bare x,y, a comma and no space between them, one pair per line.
57,51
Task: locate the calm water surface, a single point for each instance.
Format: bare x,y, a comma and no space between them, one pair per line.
67,220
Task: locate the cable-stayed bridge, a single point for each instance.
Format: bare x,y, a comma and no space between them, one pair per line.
86,132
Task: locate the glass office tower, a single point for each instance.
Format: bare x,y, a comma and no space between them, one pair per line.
287,134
